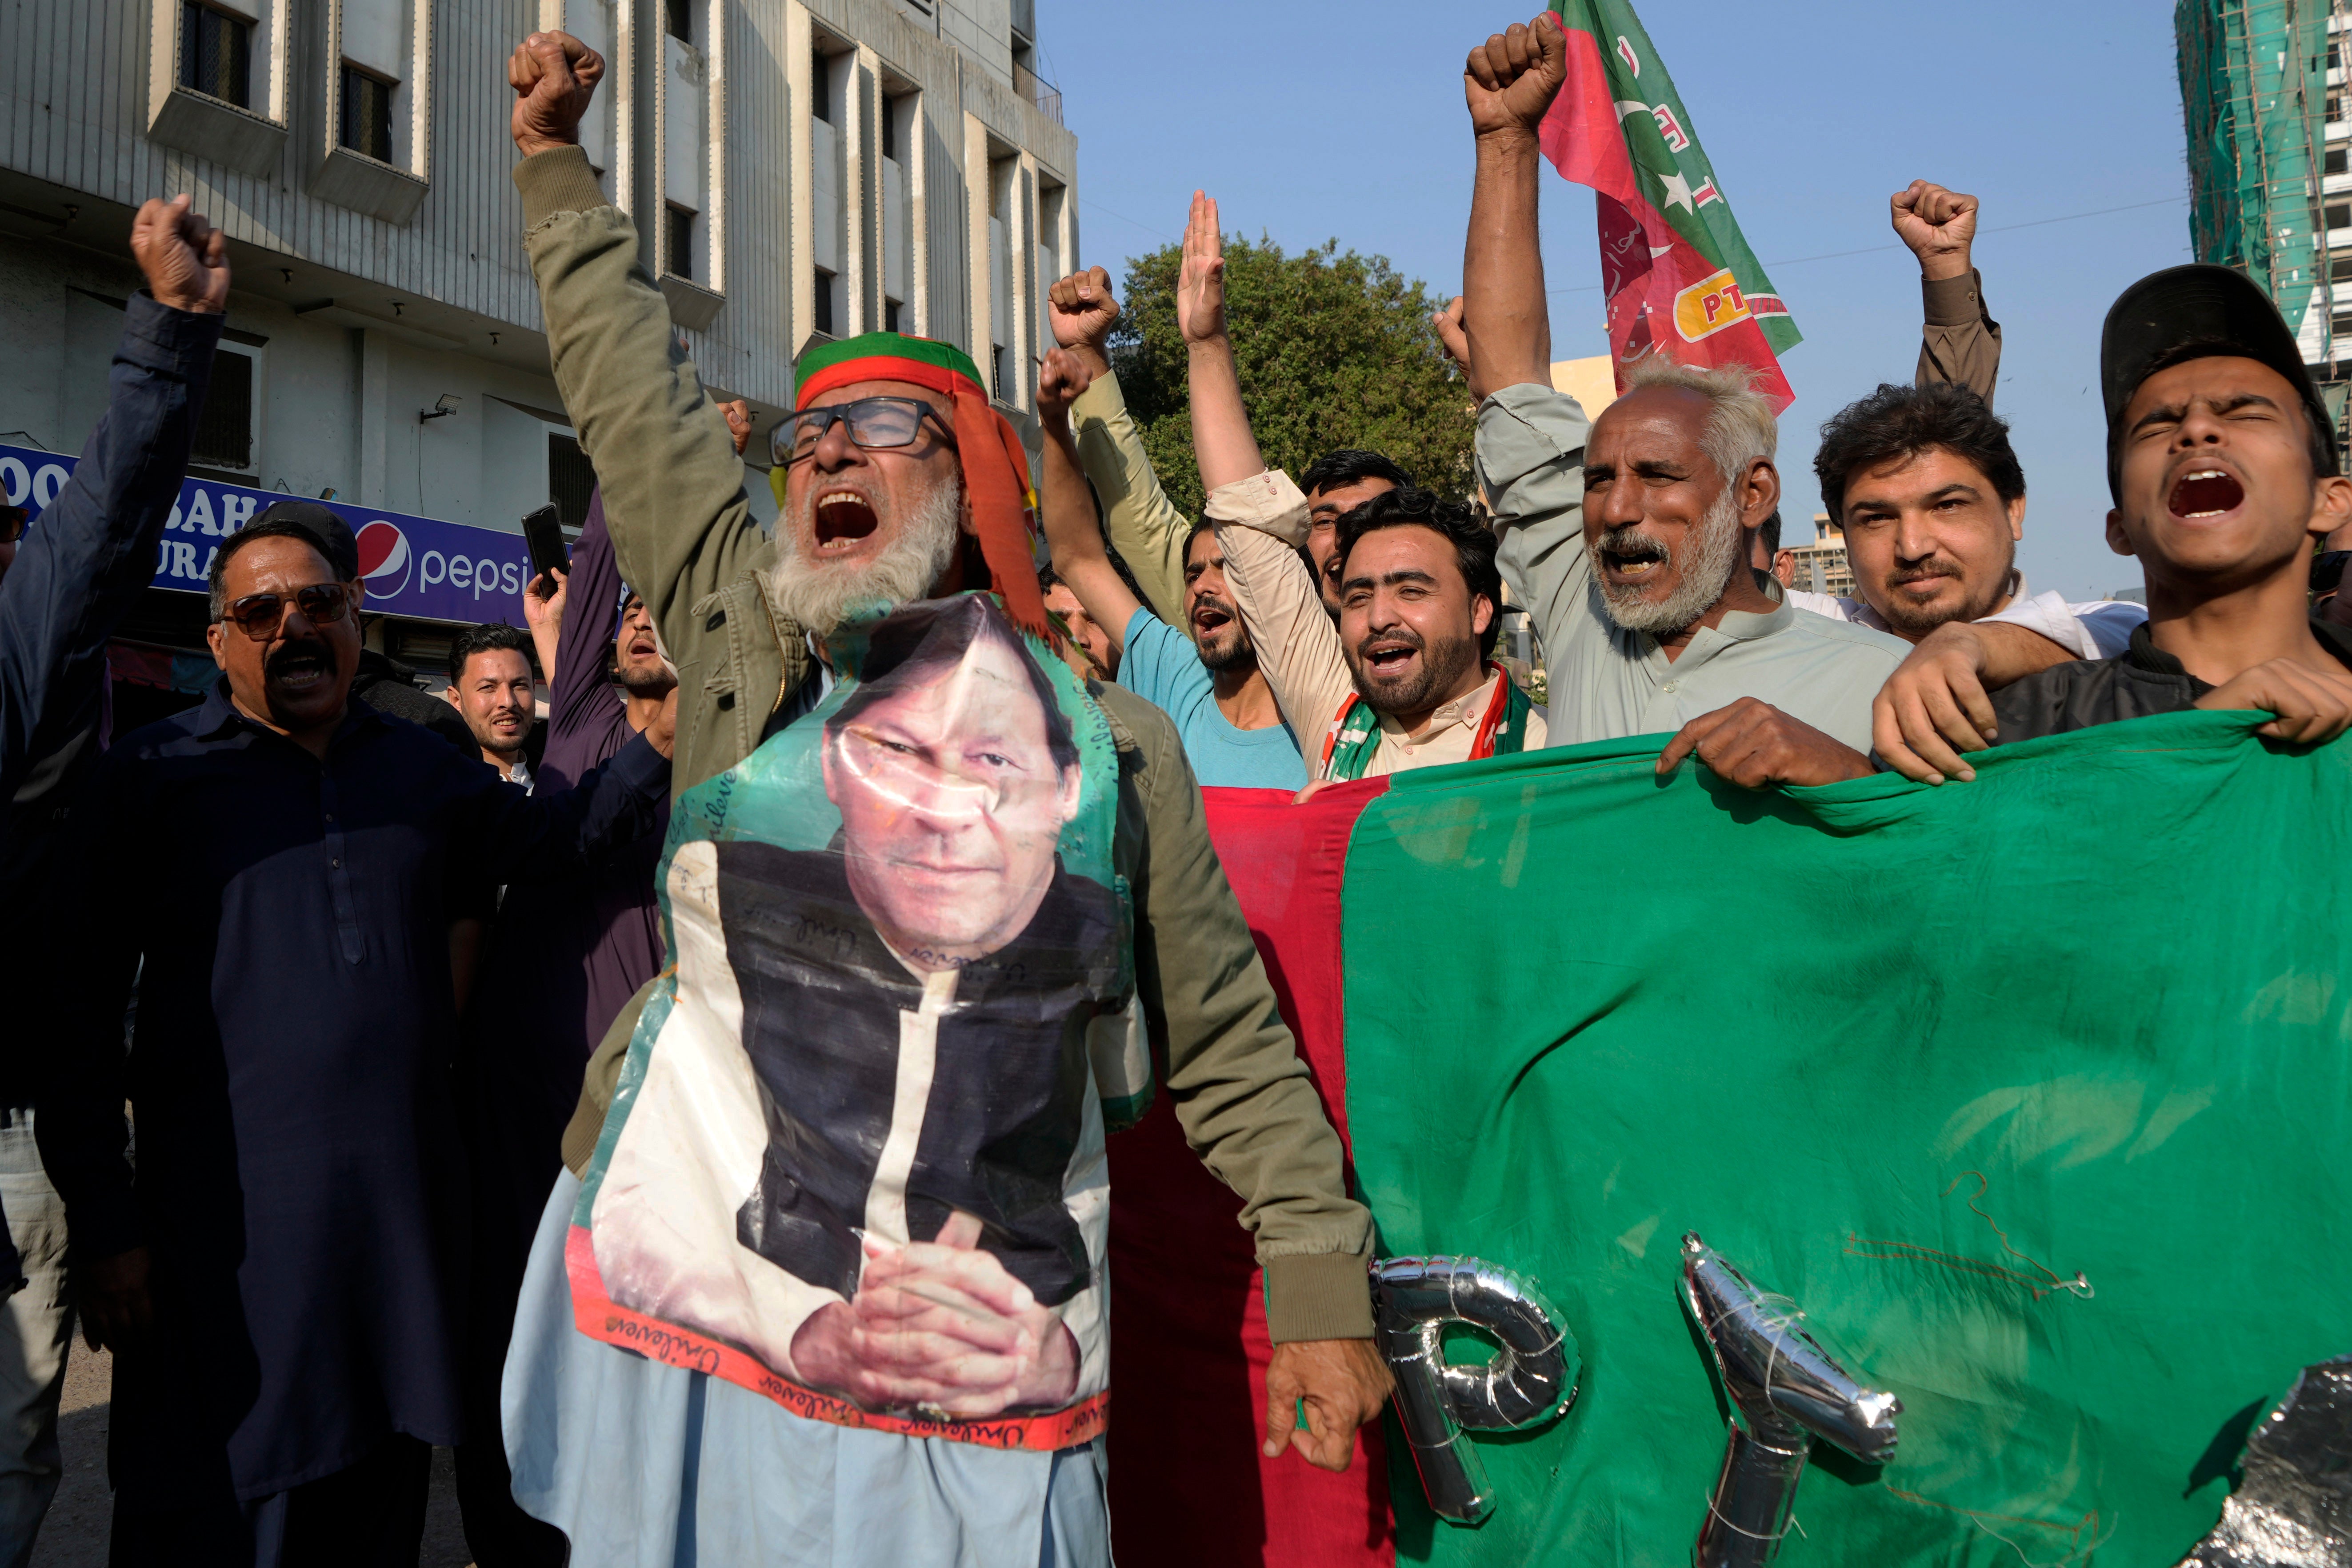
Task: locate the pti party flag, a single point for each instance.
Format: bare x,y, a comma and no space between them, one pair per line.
1680,278
2029,1095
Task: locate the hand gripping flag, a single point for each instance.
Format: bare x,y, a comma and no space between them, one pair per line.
1680,278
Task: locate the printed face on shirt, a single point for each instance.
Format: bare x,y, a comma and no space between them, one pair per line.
1324,511
638,656
1408,622
1930,540
1211,613
2217,490
951,806
493,696
297,679
1665,528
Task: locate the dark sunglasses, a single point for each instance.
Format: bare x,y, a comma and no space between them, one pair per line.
874,423
258,616
12,523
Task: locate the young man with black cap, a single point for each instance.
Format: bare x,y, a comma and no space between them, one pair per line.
2221,459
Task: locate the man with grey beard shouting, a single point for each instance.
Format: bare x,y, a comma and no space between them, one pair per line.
1627,538
896,481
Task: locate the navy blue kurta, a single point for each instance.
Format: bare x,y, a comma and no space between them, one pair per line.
299,1175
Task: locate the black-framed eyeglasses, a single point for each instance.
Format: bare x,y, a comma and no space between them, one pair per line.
874,424
259,616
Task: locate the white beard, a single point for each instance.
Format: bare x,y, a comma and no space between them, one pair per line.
1706,559
817,593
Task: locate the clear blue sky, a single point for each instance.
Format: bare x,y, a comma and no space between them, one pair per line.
1310,119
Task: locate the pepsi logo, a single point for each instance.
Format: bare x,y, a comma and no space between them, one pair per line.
384,560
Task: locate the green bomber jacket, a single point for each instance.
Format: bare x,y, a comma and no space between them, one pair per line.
685,538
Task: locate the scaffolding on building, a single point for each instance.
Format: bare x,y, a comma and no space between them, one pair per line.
2257,102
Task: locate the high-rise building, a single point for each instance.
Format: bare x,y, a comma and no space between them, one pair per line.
1821,566
795,170
2261,91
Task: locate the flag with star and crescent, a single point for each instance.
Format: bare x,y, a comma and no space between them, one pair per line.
1680,278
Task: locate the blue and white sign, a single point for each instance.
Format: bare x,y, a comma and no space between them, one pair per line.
417,566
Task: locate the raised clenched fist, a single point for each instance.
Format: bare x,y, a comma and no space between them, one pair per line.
1512,78
1060,380
554,75
1938,225
1083,311
184,258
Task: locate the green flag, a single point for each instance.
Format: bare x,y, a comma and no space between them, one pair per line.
2031,1093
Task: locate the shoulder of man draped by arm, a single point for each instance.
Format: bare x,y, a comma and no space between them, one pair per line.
2100,630
1531,458
1261,525
672,485
1958,340
84,561
1242,1096
1141,523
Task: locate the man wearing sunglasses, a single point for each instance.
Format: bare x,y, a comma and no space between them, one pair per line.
281,1277
897,480
65,582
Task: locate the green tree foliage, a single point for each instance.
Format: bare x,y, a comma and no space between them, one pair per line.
1334,350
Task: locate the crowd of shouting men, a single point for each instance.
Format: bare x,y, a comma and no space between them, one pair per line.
389,954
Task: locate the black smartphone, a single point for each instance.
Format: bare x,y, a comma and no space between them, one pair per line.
542,533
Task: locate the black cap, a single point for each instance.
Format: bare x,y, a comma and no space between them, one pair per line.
327,530
2197,304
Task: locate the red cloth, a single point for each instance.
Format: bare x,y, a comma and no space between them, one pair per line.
1189,1484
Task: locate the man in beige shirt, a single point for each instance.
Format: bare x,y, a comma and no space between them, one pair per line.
1404,680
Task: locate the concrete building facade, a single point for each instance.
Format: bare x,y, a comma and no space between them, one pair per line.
795,170
1822,566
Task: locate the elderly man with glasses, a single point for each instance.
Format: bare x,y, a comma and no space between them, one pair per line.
897,483
281,1277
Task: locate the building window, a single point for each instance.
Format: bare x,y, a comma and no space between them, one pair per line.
2339,216
890,315
216,54
890,128
2337,161
570,480
823,311
225,428
679,263
677,19
367,115
2339,269
821,87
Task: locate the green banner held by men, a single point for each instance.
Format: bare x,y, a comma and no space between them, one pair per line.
2037,1140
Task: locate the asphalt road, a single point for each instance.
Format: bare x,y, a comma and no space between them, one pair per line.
75,1534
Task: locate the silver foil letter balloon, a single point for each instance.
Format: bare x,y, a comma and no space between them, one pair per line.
1785,1391
1531,1379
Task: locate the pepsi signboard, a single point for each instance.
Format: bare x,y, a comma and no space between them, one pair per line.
417,566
